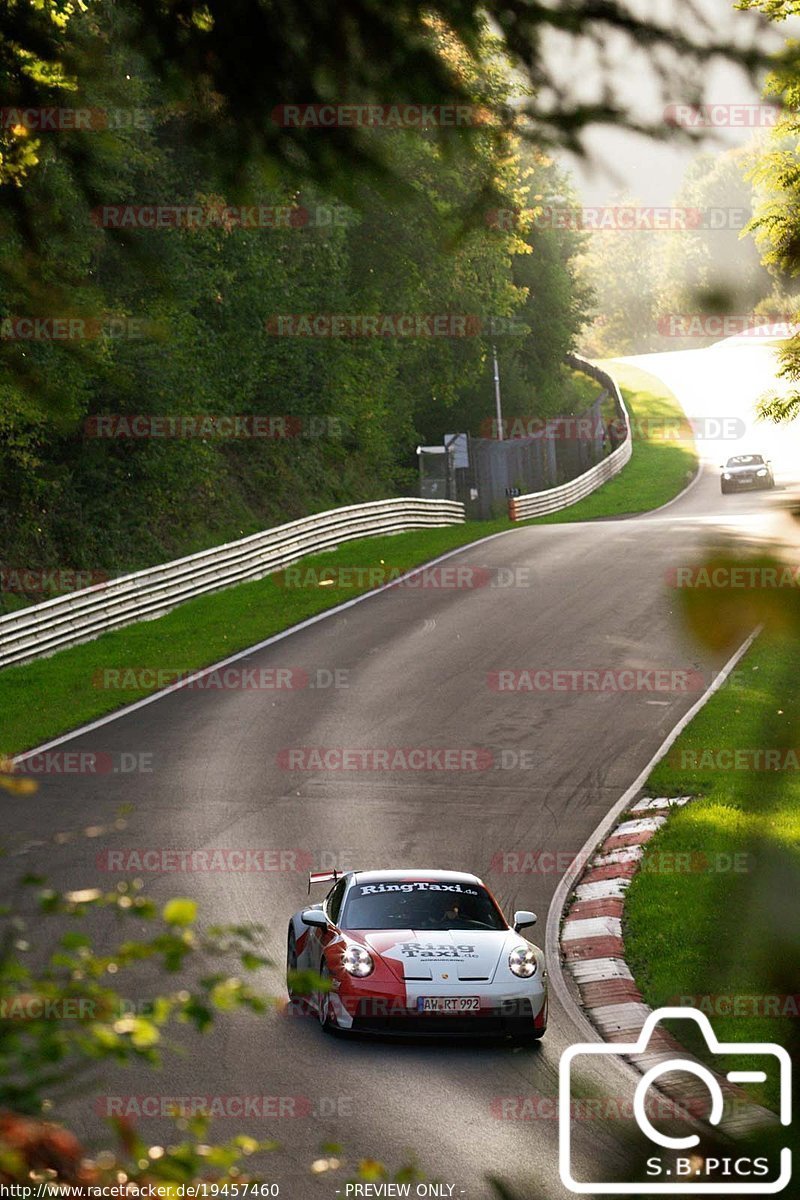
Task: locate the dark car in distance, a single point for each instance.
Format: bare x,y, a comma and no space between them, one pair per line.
746,471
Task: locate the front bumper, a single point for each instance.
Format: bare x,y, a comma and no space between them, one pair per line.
514,1019
748,484
498,1016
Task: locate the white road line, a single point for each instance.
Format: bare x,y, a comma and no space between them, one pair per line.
240,654
585,1031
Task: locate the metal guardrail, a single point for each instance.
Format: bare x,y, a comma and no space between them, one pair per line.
81,616
538,504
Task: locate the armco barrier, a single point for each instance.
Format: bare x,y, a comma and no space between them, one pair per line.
537,504
81,616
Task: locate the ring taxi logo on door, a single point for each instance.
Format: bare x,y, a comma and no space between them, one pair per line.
676,1162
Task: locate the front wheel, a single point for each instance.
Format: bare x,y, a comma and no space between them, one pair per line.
326,1021
291,962
723,489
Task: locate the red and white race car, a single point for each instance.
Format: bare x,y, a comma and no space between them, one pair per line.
419,952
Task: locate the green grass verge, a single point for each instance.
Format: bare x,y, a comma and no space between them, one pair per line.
45,698
50,695
713,910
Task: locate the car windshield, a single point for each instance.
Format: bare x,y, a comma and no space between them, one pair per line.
746,460
420,904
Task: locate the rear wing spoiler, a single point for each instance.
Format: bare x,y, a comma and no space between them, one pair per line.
322,877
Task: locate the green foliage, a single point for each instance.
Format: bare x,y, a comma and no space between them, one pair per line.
620,267
229,85
649,281
708,268
414,238
203,297
727,930
776,222
45,1153
61,1008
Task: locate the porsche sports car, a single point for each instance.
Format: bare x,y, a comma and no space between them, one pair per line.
746,471
417,952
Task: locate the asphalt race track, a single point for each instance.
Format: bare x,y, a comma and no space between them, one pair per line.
416,662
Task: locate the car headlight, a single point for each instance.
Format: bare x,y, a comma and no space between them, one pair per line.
726,474
763,471
522,962
358,961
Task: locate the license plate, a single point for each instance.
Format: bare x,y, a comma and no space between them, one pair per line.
448,1004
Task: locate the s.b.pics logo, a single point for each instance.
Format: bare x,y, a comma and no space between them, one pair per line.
676,1160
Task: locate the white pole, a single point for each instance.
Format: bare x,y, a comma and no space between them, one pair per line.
497,404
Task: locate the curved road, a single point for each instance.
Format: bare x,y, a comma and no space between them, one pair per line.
417,662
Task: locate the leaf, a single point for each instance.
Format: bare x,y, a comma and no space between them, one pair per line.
253,961
247,1145
371,1170
18,786
74,940
180,911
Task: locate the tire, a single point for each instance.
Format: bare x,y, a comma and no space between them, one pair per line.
291,961
530,1038
723,489
326,1021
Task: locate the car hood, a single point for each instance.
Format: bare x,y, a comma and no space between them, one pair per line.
440,954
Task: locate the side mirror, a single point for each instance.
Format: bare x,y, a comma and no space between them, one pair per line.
522,919
315,917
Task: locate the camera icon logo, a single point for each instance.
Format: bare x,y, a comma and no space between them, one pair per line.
670,1173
